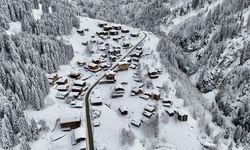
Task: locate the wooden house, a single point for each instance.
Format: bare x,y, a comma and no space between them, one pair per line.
182,116
70,122
156,95
149,108
79,83
125,30
96,102
93,66
123,110
136,122
63,87
78,135
113,32
170,112
75,75
134,34
110,75
117,27
62,95
152,73
77,89
62,81
102,24
123,65
107,28
81,63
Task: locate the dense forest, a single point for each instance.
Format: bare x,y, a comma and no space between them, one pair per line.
25,59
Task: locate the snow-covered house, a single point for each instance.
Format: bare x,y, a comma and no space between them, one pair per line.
96,60
78,135
134,34
76,89
113,58
64,87
115,51
149,108
123,110
75,74
74,95
126,44
170,112
117,27
147,114
136,91
102,24
81,62
152,73
70,122
125,30
61,95
136,122
107,28
110,75
52,78
113,32
182,116
93,67
123,65
96,102
79,83
62,81
156,95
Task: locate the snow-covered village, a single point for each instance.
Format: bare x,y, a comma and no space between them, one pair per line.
125,75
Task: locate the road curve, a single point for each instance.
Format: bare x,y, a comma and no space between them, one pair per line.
90,140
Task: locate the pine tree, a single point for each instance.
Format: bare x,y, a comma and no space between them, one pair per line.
237,134
24,145
7,134
34,129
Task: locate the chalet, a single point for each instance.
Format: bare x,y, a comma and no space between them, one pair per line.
62,95
74,95
156,95
96,102
79,83
136,122
92,66
123,110
96,123
110,75
78,135
62,81
125,30
135,34
123,65
107,28
64,87
70,122
113,58
81,63
117,27
147,114
149,108
152,73
170,112
75,75
182,116
102,24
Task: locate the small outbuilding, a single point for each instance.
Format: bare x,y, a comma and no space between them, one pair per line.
123,110
152,73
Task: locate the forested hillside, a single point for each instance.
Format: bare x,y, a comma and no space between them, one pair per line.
25,59
208,40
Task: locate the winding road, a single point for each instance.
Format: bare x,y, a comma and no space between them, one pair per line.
90,140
